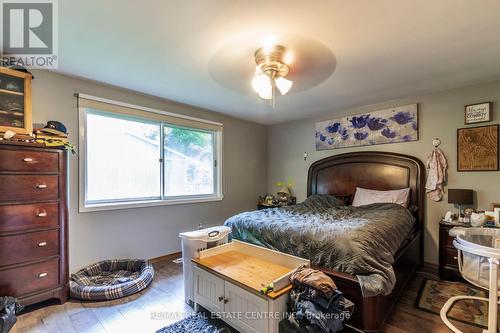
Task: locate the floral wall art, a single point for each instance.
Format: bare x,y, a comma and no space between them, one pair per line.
393,125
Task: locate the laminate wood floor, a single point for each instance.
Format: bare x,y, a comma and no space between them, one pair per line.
163,303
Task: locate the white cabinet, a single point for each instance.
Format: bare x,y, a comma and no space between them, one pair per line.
249,308
209,290
242,309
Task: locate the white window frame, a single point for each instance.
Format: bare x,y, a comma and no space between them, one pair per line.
84,206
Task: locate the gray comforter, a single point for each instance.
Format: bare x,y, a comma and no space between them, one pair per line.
357,240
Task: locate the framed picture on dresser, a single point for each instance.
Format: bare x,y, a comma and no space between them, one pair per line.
477,148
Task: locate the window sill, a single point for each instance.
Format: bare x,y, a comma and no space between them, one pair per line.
142,204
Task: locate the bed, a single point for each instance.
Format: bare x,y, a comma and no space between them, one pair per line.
370,276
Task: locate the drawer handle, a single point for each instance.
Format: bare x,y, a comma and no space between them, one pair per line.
41,214
226,300
41,186
456,258
42,244
27,159
221,298
42,275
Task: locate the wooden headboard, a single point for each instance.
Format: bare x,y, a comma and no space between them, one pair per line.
341,174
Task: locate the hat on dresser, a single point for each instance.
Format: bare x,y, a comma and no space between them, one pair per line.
55,127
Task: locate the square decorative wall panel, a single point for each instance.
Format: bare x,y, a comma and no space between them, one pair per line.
477,148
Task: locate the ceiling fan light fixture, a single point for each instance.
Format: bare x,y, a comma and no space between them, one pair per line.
283,85
262,84
266,95
270,72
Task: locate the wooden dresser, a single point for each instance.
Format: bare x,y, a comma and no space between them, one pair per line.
33,223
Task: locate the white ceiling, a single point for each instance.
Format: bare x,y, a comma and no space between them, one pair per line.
200,52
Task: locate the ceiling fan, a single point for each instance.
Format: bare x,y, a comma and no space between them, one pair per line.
272,67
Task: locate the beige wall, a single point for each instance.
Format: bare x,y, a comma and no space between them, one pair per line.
149,232
440,115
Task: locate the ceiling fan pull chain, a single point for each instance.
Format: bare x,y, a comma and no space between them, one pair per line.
273,92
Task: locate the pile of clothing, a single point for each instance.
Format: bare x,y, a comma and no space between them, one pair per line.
9,307
316,304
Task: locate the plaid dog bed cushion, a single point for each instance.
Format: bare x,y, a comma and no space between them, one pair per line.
111,279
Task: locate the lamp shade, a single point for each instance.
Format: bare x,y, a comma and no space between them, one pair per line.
263,86
283,85
460,196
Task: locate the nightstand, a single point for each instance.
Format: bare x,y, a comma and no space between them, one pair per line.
448,254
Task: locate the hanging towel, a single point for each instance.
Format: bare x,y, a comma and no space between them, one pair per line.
437,165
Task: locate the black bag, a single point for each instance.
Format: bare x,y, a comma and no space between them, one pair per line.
8,309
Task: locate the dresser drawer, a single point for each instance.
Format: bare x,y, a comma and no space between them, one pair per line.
24,217
28,247
30,278
29,187
28,161
451,257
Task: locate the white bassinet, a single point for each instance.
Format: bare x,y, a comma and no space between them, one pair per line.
478,260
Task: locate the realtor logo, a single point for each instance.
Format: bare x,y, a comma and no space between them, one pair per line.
29,33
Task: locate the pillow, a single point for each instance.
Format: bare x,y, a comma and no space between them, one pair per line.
366,197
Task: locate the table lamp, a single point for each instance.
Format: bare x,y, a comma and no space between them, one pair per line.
460,197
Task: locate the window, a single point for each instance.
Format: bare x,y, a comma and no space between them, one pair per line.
189,161
134,157
122,159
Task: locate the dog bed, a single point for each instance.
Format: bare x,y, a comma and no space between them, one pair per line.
111,279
